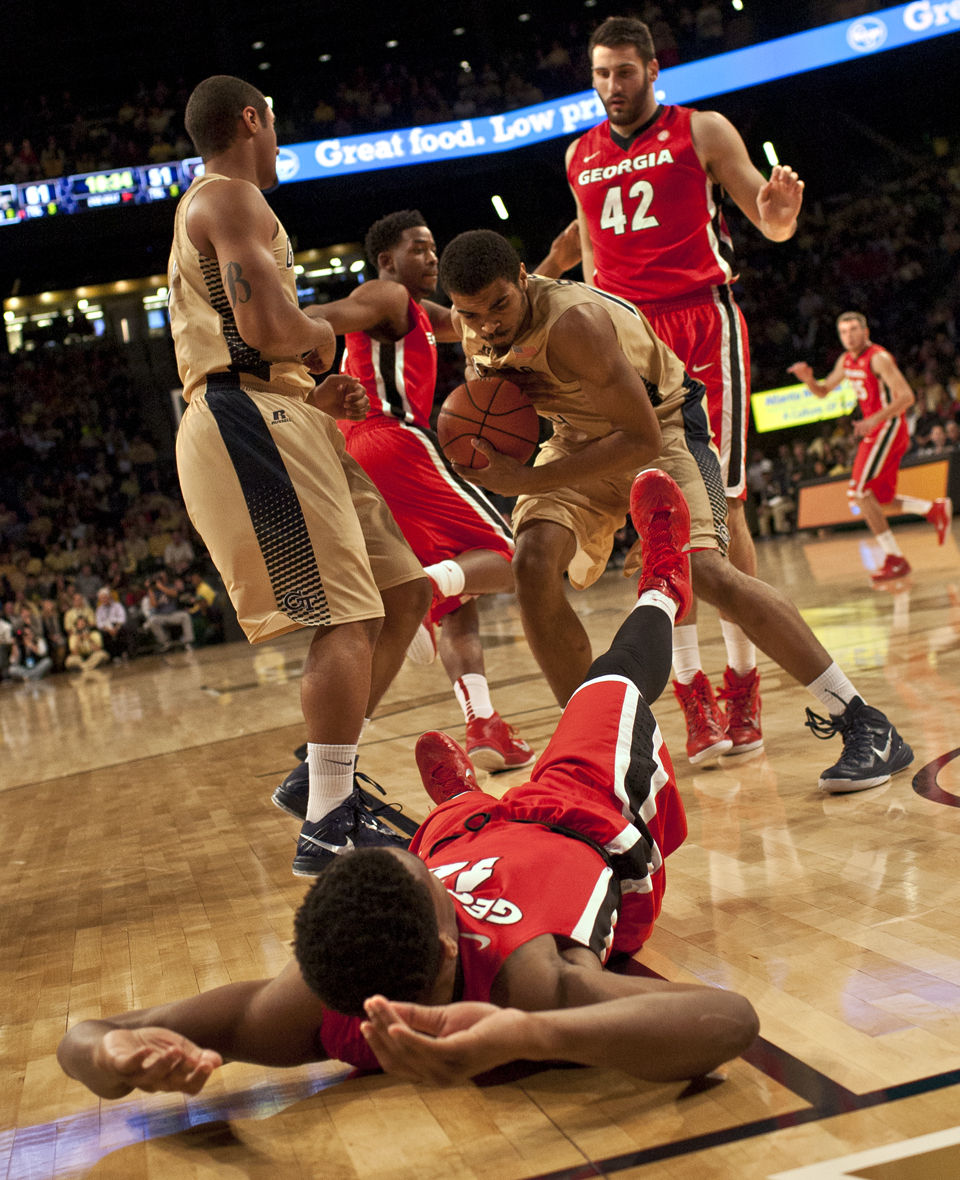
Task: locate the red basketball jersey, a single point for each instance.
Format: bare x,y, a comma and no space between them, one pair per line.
653,213
872,392
399,376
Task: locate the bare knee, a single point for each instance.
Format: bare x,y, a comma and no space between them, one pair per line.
408,601
543,553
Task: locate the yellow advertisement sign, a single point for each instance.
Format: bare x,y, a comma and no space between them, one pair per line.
795,405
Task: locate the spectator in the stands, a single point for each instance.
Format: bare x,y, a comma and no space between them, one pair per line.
28,656
178,553
86,647
161,611
119,636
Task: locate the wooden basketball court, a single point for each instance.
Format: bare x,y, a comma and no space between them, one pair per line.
144,861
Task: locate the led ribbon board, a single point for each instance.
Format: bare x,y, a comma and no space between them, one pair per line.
863,36
794,405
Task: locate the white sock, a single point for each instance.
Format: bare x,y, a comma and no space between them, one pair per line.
915,504
741,653
833,690
473,693
661,601
448,577
331,778
888,543
686,652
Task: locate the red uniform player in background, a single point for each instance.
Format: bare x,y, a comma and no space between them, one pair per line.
884,396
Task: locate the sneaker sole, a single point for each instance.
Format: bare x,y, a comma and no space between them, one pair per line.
491,759
845,786
746,748
710,753
308,867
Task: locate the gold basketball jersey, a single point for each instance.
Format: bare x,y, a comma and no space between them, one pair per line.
563,402
205,333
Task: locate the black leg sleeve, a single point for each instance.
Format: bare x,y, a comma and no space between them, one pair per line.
642,650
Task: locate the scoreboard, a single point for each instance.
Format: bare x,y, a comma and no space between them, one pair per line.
95,190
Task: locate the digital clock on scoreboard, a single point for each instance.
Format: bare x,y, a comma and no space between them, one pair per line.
92,190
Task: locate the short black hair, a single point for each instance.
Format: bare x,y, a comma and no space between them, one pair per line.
214,108
623,30
475,259
367,926
387,232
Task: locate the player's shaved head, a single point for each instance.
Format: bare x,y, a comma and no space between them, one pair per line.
214,109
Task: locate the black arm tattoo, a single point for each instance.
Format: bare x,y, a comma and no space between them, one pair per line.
238,289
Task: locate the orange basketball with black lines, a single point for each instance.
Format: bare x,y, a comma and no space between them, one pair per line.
492,409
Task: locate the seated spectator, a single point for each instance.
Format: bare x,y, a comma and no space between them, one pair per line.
161,611
87,582
119,637
200,599
6,647
178,553
52,628
53,159
86,647
79,607
936,444
28,657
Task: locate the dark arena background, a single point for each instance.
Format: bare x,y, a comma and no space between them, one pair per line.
145,861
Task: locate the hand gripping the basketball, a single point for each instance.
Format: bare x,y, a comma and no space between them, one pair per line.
154,1059
502,475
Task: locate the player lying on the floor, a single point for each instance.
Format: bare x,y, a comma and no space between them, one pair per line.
490,935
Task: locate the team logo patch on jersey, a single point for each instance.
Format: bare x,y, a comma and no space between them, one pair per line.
279,416
469,878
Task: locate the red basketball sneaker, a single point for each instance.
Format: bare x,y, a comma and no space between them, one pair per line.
706,729
940,516
493,745
894,567
742,697
662,520
444,767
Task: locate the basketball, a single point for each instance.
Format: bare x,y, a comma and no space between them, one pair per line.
492,409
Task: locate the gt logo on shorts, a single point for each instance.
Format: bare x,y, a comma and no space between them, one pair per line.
296,602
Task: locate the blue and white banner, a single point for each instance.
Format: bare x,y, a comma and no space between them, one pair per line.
829,45
863,36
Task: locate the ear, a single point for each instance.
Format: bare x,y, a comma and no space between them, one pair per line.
653,69
385,261
449,947
522,278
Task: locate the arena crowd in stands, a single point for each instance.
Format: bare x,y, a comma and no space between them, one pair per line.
513,65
